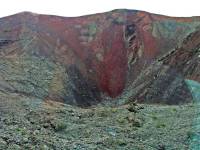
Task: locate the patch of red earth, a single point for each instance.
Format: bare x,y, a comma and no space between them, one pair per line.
112,70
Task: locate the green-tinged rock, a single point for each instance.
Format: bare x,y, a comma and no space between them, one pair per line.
13,147
3,144
194,86
92,29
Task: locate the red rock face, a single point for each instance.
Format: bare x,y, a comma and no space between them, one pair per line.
102,55
114,63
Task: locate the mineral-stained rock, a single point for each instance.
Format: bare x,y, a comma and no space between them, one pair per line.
118,55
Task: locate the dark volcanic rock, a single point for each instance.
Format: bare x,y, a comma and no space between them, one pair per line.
122,54
84,91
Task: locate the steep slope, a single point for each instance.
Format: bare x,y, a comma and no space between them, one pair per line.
165,77
86,60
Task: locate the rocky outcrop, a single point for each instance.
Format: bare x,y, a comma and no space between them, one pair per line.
119,55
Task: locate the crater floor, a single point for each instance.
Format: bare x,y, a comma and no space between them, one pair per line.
27,123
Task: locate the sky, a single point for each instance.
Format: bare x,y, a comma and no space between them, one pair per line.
70,8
